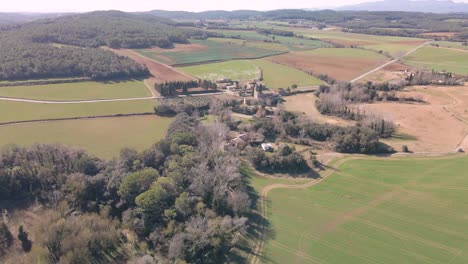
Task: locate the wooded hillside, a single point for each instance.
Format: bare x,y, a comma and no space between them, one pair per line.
68,46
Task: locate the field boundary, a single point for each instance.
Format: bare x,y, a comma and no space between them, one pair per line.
47,120
216,61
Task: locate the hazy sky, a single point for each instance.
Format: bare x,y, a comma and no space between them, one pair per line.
145,5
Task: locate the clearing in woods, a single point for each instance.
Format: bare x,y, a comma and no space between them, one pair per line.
305,104
103,137
78,91
410,210
342,64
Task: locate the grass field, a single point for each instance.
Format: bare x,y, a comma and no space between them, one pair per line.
78,91
452,45
103,137
288,43
238,70
342,64
394,46
280,76
19,111
374,211
206,50
439,59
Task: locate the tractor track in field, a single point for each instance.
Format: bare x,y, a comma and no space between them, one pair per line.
259,243
254,257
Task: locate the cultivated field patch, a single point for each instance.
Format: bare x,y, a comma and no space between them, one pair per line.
439,59
159,71
103,137
341,64
433,125
21,111
215,51
237,70
280,76
78,91
374,211
393,46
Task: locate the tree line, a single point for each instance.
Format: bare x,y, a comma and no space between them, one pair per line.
171,88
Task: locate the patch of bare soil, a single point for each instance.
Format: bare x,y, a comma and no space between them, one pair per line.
392,72
349,43
342,69
433,124
409,42
305,104
161,72
182,48
439,34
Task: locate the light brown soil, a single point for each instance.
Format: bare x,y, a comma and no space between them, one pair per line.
161,73
409,42
392,72
342,69
433,124
349,43
439,34
181,48
305,104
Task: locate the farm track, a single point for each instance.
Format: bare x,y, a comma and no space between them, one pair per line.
254,257
11,99
390,62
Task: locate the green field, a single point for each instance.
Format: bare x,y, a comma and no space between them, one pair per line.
103,137
439,59
394,46
237,70
452,45
279,76
78,91
275,42
212,50
374,211
20,111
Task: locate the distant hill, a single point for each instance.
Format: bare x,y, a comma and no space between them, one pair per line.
427,6
9,18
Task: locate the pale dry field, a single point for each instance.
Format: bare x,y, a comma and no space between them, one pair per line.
305,104
439,125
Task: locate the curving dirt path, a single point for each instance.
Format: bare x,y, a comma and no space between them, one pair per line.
254,257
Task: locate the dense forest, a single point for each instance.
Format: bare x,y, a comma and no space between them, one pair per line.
180,201
67,46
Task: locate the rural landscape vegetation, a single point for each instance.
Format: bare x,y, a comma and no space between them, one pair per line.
284,136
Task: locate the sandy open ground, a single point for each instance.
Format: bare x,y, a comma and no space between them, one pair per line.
339,68
305,104
439,126
161,73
